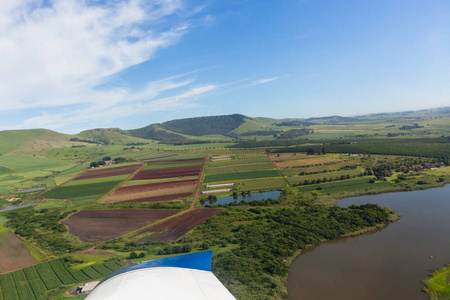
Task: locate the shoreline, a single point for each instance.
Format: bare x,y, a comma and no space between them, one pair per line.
395,217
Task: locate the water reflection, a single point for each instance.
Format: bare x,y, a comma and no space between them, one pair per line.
245,196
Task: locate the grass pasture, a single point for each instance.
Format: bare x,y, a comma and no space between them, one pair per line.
244,161
239,167
263,184
293,177
5,170
305,162
30,163
348,187
438,285
240,175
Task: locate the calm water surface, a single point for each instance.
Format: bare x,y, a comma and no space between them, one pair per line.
253,197
387,264
13,207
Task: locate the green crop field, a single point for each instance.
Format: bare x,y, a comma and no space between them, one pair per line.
240,175
244,161
263,184
240,167
33,282
346,186
296,180
93,190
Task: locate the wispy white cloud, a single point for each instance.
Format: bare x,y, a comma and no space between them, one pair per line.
262,81
54,54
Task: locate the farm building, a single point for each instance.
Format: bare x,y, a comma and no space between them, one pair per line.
211,186
88,287
216,191
219,158
185,277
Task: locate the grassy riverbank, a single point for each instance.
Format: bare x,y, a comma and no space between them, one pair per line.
438,285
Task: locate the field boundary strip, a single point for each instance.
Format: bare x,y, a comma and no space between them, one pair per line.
279,172
122,182
199,182
136,232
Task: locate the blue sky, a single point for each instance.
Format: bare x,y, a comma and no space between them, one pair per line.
71,65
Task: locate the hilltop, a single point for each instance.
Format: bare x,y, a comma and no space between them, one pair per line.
235,128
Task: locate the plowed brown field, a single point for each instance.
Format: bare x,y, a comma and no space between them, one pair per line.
149,193
131,189
173,229
13,253
108,172
168,172
103,225
159,198
131,214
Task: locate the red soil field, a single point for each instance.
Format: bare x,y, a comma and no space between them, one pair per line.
168,172
108,172
92,230
13,253
131,214
173,229
103,225
131,189
159,198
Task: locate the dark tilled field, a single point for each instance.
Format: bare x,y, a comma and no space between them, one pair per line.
130,214
159,198
93,230
173,229
154,186
168,172
108,172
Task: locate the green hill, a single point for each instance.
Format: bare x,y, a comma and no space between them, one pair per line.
32,141
110,136
205,125
154,132
334,120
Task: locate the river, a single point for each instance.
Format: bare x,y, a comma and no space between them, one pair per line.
387,264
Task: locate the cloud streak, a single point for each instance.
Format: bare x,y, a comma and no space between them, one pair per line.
55,54
262,81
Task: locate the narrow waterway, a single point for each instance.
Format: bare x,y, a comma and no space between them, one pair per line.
386,264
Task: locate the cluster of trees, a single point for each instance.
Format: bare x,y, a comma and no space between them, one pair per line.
350,167
84,141
43,228
409,127
251,269
293,133
134,255
293,123
337,178
175,249
102,162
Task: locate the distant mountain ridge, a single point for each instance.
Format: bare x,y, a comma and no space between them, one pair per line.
222,128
